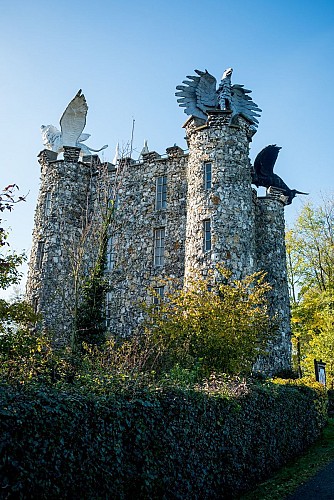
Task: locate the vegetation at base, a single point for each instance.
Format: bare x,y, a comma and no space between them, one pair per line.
214,324
298,471
215,440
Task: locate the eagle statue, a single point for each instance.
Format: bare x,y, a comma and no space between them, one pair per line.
263,173
72,123
199,94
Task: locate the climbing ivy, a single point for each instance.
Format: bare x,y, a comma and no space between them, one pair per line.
90,317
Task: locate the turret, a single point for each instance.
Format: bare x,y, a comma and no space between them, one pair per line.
220,216
271,258
57,256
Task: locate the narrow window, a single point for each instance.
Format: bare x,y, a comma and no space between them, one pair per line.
159,295
47,205
207,235
207,175
110,255
35,304
40,254
108,309
159,246
161,193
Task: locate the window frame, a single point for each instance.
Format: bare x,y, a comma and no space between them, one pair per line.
207,175
108,313
40,254
159,246
207,236
47,204
110,255
161,192
159,295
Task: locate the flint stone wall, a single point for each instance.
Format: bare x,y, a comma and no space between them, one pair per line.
228,204
271,258
60,222
135,221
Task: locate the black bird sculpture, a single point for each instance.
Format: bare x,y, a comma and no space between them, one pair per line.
263,173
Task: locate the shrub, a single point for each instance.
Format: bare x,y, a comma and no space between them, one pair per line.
213,442
218,323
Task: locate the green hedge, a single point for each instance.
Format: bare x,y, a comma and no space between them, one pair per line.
167,443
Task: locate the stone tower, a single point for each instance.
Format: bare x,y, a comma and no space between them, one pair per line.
219,201
229,225
59,253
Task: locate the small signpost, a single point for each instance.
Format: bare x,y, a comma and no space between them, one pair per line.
320,371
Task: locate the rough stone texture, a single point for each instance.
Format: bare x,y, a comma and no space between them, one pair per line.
132,233
65,198
228,204
247,233
271,258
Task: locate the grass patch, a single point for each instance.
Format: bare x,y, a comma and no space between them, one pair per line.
287,480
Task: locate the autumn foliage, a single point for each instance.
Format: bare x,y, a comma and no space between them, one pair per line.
214,324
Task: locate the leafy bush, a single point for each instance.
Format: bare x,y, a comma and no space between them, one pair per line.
217,323
26,352
213,442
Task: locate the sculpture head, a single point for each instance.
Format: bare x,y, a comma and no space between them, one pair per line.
292,194
228,72
50,137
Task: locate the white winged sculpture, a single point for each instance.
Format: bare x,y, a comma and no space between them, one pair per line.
72,123
199,94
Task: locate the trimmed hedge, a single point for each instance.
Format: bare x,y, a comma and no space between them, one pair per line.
167,443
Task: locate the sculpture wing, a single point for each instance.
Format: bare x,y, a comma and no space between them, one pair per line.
73,120
265,161
198,94
242,104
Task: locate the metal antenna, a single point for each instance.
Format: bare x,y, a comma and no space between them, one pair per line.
131,143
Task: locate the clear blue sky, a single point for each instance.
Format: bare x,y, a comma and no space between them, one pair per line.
128,56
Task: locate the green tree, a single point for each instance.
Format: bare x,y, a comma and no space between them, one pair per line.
213,325
310,259
311,247
18,346
9,261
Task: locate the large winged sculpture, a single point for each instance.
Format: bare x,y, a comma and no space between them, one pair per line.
72,124
199,94
263,173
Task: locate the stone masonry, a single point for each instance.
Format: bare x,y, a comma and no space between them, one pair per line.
174,215
61,252
227,202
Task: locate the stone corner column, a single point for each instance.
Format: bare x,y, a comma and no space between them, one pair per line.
271,258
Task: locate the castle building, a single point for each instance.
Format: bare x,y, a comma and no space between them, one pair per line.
173,215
